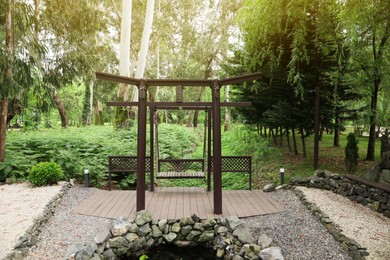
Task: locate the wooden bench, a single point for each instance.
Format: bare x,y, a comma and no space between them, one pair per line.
180,169
240,164
120,166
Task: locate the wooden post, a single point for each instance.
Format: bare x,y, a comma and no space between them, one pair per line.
209,149
217,153
151,119
141,145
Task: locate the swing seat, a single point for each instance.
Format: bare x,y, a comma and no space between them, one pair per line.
180,169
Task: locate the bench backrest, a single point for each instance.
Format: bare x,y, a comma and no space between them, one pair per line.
126,163
235,164
180,165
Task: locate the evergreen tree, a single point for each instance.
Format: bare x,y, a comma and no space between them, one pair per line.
351,153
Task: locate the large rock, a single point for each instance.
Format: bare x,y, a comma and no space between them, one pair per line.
206,236
209,223
144,230
264,241
102,236
193,235
373,173
87,252
186,221
176,227
118,242
137,245
269,187
385,177
251,251
156,232
72,250
143,217
170,237
243,235
271,253
186,230
120,227
162,224
131,237
233,222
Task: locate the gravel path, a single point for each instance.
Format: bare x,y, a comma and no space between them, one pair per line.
19,204
296,231
65,227
370,229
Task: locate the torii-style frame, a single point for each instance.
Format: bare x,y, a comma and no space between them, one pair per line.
142,105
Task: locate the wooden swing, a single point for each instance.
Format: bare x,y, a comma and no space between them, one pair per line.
181,168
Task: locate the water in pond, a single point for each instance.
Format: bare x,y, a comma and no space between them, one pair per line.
169,252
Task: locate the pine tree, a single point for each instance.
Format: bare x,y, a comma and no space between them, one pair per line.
351,153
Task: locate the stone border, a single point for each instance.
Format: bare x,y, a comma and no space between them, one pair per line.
228,237
375,198
30,238
355,250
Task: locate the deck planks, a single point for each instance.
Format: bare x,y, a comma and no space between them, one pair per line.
178,202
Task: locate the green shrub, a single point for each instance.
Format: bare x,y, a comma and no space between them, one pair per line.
351,153
45,173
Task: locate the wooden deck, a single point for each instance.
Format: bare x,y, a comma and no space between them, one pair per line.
178,202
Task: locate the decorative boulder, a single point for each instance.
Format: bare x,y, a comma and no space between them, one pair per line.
269,187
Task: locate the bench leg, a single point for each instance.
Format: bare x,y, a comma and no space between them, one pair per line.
109,181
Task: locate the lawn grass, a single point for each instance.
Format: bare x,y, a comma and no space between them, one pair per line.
330,158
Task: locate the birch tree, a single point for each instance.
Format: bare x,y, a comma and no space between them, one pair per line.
144,44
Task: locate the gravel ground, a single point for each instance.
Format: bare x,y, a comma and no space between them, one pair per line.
296,231
370,229
65,227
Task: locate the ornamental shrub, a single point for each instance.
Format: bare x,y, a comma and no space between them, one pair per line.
351,153
45,173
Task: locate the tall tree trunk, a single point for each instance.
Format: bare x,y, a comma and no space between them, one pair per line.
303,141
372,137
3,127
281,137
144,44
273,136
97,113
9,44
336,138
294,141
122,115
288,139
377,56
61,108
196,112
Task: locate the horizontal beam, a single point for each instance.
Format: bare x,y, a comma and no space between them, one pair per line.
115,78
179,82
240,79
167,105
